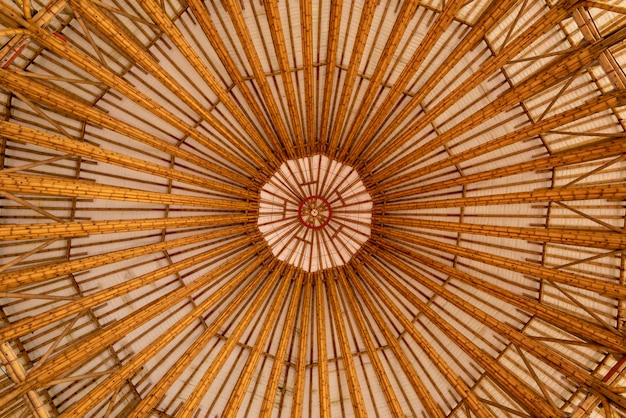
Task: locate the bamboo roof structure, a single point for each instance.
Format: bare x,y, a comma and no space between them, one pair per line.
243,208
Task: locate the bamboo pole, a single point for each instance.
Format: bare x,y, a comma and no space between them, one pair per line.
602,287
36,137
236,15
281,352
322,356
31,275
131,367
115,34
488,19
610,191
305,314
35,322
570,322
356,396
436,30
556,14
527,397
40,93
306,33
18,232
547,76
540,351
580,237
358,49
239,391
280,49
200,12
56,186
596,151
91,66
381,374
382,180
167,26
191,403
85,349
331,57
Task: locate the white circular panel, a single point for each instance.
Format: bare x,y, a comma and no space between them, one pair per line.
315,213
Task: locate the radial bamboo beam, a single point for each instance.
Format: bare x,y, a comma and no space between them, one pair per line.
544,353
115,34
157,14
580,237
358,49
537,84
589,108
202,16
356,396
609,192
31,275
199,391
236,15
94,68
18,232
519,390
36,137
57,186
306,33
245,378
322,357
487,21
280,49
359,319
599,286
281,351
331,58
436,30
40,93
591,152
305,314
73,307
549,75
85,349
446,370
569,322
156,393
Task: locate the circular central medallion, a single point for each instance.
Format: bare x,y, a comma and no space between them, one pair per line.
315,213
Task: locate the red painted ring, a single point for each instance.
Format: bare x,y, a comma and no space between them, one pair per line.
326,221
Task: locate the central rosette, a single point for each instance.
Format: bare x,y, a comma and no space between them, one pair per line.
315,213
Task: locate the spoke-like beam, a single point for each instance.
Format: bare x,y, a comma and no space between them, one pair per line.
603,287
19,232
40,93
322,357
491,16
424,395
199,391
305,319
358,49
569,322
356,396
536,84
132,366
549,75
57,186
236,14
32,323
167,26
438,27
280,48
84,349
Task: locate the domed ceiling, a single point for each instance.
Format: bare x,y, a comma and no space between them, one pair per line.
335,208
